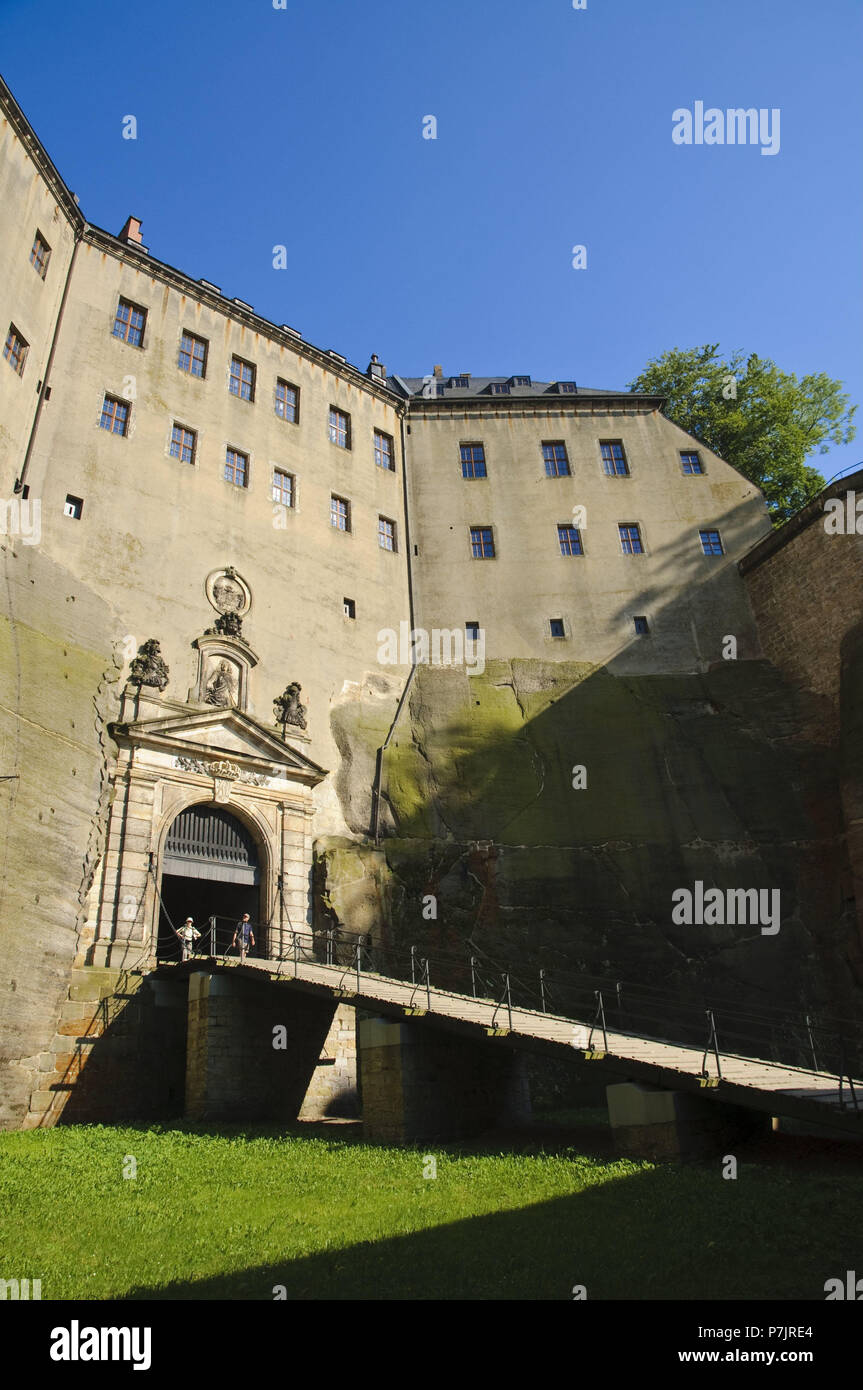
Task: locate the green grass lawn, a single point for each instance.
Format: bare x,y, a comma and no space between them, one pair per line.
233,1214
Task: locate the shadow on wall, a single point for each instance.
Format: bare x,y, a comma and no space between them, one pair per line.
551,810
129,1058
222,1044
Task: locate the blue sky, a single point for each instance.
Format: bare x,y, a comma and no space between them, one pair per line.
303,127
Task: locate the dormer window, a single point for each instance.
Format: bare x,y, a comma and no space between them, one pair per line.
519,381
499,388
462,382
568,387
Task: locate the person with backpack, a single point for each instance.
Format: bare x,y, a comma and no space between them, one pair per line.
243,936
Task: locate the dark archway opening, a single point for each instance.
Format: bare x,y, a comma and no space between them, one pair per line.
200,899
210,869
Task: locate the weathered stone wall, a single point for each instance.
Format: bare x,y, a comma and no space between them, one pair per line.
32,199
690,600
58,683
119,1052
806,589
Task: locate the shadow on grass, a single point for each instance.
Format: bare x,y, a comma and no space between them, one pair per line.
670,1232
580,1135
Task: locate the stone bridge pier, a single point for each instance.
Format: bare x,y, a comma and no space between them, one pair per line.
420,1083
254,1050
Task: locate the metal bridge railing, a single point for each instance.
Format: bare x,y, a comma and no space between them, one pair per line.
804,1039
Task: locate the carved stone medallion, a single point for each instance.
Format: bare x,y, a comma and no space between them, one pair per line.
228,592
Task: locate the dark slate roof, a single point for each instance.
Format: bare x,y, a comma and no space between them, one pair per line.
481,387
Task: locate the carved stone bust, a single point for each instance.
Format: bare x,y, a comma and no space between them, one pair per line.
288,708
148,667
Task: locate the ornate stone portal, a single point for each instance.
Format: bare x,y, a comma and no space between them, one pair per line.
175,754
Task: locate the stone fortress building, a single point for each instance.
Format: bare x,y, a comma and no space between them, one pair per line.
218,541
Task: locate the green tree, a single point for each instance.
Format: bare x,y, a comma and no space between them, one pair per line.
762,421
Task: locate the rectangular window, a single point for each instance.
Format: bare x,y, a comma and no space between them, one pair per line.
15,350
242,379
711,542
462,382
236,467
499,388
556,627
642,626
129,322
386,533
40,255
340,513
115,415
472,461
183,443
287,401
482,542
555,459
570,539
384,450
73,506
690,462
472,632
613,458
630,538
283,488
350,607
340,428
568,387
193,355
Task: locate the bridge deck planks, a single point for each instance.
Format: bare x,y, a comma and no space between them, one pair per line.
743,1073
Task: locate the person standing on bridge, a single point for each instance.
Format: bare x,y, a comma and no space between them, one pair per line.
187,936
244,936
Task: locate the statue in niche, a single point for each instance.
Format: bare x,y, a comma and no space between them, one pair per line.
221,690
288,708
148,667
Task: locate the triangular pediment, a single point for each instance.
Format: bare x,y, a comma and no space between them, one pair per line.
220,734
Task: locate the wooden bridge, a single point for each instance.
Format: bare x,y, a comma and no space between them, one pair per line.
820,1096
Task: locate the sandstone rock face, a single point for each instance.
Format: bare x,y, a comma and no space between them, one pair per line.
710,777
58,684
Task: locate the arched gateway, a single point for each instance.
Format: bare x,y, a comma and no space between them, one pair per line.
211,812
211,868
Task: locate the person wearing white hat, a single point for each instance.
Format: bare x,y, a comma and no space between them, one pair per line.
187,936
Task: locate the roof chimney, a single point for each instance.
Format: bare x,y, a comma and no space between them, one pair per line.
132,231
376,369
438,371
